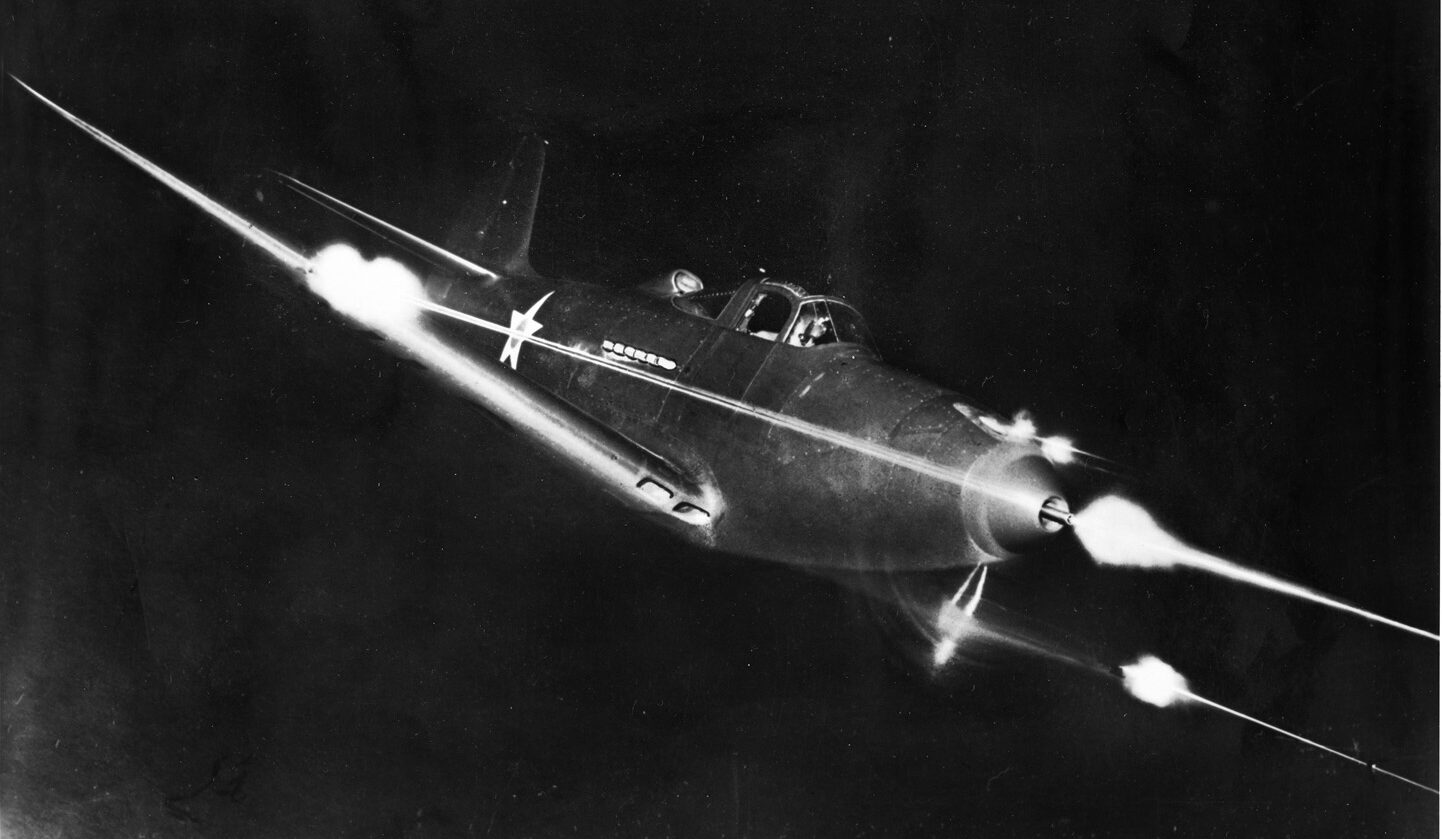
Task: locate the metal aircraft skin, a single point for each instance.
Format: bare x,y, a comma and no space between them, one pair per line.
759,421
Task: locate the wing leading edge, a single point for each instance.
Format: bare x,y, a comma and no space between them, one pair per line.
600,455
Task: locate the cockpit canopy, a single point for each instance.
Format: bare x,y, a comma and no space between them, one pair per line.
777,311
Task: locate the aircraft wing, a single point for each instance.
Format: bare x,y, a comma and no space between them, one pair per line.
599,454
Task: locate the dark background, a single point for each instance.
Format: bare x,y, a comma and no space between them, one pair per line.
261,578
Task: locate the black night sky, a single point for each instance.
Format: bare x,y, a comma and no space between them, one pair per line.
262,578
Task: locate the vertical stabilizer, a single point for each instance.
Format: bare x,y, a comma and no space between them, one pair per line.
502,239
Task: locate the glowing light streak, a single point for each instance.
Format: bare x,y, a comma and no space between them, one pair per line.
281,252
978,631
954,623
1155,682
1299,738
975,601
956,598
1118,532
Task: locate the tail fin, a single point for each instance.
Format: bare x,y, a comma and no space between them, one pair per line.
503,238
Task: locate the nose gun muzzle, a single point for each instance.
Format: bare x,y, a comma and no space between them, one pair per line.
1055,514
1013,501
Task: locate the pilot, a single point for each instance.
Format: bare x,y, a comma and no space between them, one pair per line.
811,329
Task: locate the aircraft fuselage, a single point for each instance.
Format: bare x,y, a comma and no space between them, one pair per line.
783,495
759,422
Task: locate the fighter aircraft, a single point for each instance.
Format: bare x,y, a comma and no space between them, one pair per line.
759,421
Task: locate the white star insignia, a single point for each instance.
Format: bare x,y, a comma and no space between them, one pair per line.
523,326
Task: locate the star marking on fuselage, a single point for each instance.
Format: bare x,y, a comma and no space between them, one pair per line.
523,326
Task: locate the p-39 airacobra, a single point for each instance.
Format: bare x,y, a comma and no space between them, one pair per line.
759,421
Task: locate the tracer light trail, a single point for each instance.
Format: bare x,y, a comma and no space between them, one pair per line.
1155,682
954,621
1117,532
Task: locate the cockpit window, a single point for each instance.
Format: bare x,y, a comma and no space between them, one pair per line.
828,322
850,328
767,315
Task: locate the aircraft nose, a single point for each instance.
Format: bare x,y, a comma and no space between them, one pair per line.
1013,500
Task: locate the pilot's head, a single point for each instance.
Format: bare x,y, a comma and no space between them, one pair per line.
813,329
